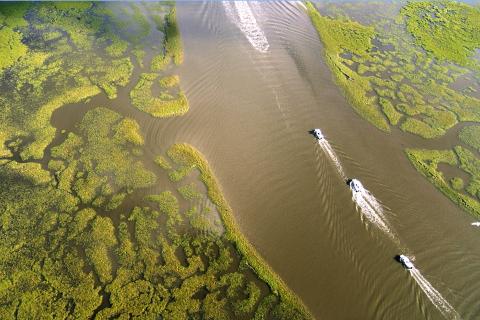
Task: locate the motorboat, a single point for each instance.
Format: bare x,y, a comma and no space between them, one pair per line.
318,134
355,185
405,261
476,224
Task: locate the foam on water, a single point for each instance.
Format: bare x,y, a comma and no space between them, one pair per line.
371,209
434,296
327,148
241,14
300,3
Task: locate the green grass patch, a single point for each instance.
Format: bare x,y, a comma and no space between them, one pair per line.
377,61
470,135
189,192
456,183
173,41
143,99
449,30
186,155
426,162
352,37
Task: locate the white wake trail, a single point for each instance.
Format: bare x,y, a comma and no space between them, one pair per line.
374,214
373,211
373,202
327,148
300,3
241,14
435,297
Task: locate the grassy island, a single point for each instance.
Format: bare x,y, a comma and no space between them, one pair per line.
170,100
54,54
394,70
70,247
466,196
87,231
412,65
185,156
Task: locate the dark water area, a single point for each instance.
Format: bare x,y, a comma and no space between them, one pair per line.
255,88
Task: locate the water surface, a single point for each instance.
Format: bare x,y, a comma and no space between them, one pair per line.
252,105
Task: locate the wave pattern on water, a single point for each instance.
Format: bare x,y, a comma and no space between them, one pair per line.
327,148
434,296
241,14
371,209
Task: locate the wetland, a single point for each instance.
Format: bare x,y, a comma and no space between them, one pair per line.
155,160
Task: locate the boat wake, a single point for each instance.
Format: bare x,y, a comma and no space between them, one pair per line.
327,148
434,296
372,210
300,3
241,14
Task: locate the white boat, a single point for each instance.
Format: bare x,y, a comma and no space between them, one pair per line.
355,185
405,261
318,134
476,224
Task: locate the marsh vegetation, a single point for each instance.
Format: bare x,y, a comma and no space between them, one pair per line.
85,230
400,65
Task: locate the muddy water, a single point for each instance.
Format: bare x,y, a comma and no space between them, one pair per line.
251,109
256,87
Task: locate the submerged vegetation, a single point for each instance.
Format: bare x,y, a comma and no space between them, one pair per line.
86,230
405,65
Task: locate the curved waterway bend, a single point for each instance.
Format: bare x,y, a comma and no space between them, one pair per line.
250,115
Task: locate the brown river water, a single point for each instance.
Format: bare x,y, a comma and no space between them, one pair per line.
255,90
